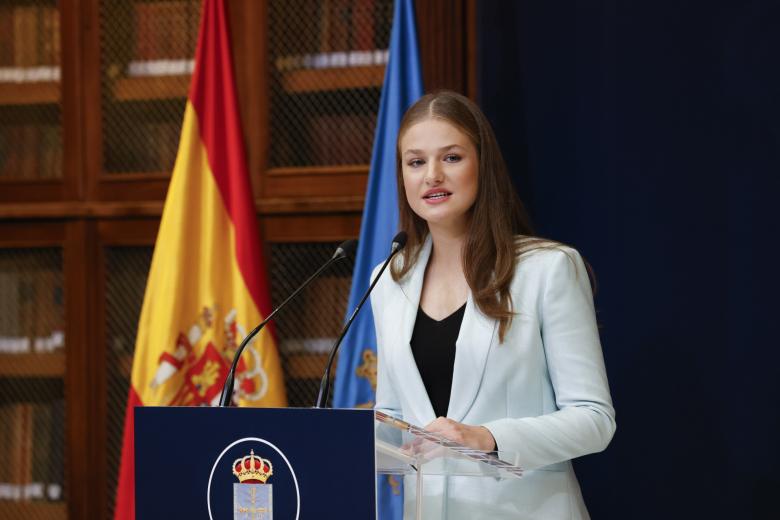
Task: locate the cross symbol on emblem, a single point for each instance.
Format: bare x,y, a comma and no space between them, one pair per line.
253,509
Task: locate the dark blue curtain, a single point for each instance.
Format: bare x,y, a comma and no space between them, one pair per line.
647,135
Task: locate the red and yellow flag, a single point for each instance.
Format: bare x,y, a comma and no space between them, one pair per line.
207,285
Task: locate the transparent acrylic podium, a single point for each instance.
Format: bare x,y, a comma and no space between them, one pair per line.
403,449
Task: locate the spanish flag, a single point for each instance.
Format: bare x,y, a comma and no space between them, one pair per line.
207,284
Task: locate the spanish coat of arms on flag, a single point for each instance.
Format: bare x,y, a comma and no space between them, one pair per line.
207,283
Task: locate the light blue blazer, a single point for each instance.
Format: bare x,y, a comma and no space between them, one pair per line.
542,393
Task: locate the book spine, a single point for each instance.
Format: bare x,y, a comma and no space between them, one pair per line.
40,37
49,38
16,445
163,37
157,27
25,470
13,159
177,31
56,47
383,18
50,145
363,25
45,281
18,32
57,459
41,431
29,157
315,15
26,289
44,36
13,306
321,139
6,36
30,36
171,145
5,152
339,25
142,31
193,24
325,17
6,318
5,442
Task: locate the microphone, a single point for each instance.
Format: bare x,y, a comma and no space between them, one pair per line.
344,250
399,241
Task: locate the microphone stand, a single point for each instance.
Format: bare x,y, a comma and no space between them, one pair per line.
399,241
227,389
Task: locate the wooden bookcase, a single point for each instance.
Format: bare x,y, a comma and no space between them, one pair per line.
33,367
87,202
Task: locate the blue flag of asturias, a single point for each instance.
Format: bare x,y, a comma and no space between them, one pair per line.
355,382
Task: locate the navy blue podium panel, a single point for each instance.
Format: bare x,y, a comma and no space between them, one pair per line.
254,463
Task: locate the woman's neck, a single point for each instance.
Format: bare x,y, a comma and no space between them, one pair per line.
447,247
445,287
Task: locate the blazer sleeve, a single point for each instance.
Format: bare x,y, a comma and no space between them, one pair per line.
386,398
585,420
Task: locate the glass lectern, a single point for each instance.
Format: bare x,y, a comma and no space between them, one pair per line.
403,449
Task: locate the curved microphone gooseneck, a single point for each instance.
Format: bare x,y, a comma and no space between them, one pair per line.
399,241
345,249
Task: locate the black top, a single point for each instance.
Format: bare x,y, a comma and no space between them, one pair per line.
433,347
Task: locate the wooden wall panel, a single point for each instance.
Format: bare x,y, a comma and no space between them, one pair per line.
84,391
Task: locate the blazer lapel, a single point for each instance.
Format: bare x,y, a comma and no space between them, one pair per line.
411,285
471,349
471,353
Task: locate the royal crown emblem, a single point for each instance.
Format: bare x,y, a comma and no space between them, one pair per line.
252,469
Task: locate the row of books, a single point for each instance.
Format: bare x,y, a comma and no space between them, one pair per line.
326,139
29,35
324,26
36,345
341,138
36,74
146,68
32,306
307,345
146,147
31,450
165,30
30,151
51,492
332,60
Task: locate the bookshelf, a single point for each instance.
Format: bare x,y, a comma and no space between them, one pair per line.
19,94
32,365
302,81
34,510
30,140
140,89
89,195
32,376
326,73
146,67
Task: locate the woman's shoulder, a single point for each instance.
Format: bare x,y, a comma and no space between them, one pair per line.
538,256
541,249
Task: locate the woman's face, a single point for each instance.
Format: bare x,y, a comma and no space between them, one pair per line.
439,165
